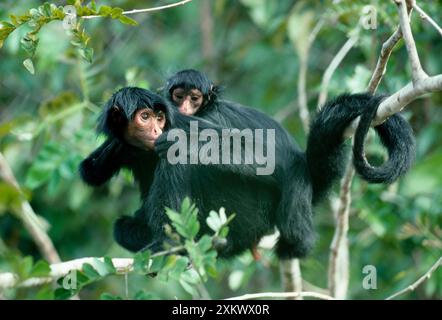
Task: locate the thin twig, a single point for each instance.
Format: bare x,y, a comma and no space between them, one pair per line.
425,16
381,65
302,78
416,68
345,49
266,295
291,276
384,56
421,280
338,267
168,6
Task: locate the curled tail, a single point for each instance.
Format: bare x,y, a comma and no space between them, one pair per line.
326,148
397,137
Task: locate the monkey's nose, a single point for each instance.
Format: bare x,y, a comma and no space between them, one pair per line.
185,108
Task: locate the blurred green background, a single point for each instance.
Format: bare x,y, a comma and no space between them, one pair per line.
250,47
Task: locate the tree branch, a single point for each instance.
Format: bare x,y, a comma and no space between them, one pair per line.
58,270
267,295
425,16
338,267
421,280
381,65
338,276
29,218
302,78
168,6
291,277
416,68
397,101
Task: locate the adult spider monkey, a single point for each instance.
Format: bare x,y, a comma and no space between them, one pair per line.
300,180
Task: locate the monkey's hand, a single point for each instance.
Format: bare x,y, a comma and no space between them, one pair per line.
162,145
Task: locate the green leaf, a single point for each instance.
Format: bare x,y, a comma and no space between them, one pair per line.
194,227
157,264
90,272
10,197
205,243
63,294
102,268
109,265
141,295
4,25
87,54
223,232
47,9
54,184
29,65
116,13
108,296
82,278
104,11
45,293
189,288
93,5
211,271
40,269
141,262
34,13
126,20
37,176
180,266
192,276
25,267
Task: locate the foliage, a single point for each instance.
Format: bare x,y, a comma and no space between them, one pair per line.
47,123
38,17
189,262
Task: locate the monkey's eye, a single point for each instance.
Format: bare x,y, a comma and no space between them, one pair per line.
195,98
160,116
178,97
144,115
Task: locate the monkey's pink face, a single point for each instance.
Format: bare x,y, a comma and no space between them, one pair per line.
187,101
145,128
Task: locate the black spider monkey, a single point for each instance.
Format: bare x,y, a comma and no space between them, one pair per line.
300,179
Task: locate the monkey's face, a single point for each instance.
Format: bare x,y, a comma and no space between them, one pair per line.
146,126
187,101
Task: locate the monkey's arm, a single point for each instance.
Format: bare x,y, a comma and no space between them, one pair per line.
103,163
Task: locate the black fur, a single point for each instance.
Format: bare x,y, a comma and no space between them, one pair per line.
283,199
397,137
193,79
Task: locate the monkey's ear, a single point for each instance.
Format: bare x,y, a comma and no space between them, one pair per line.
213,93
116,116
